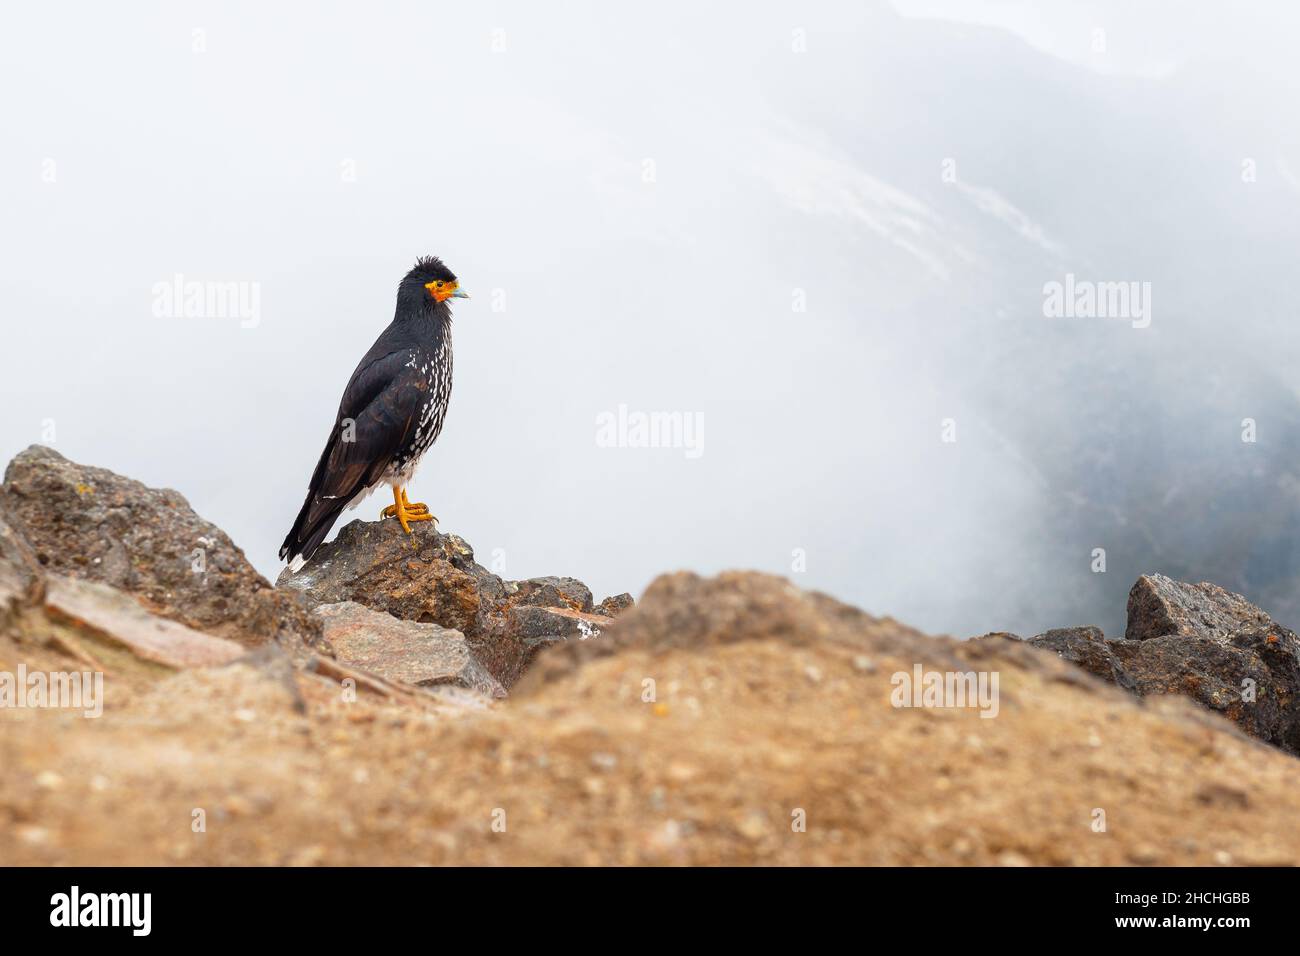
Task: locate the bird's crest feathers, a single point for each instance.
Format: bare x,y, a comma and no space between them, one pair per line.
429,268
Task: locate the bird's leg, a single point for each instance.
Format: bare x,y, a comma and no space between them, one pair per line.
416,511
404,511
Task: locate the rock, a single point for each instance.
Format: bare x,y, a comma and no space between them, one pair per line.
91,523
430,577
1158,606
537,628
553,592
1197,641
615,605
100,622
1258,663
1214,646
425,655
1089,648
21,577
426,577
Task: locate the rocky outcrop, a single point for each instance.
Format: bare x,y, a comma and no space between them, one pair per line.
734,719
135,569
425,655
429,577
93,524
1202,642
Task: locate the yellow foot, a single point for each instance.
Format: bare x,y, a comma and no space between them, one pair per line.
405,512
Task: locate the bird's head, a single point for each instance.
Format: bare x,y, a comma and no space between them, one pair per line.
434,279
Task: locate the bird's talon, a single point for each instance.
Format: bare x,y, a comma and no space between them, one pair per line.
405,511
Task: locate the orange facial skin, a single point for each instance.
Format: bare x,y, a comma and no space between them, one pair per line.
441,291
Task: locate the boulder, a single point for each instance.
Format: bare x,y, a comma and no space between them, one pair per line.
1215,646
427,576
1251,678
93,524
95,624
425,655
1158,606
1202,642
431,577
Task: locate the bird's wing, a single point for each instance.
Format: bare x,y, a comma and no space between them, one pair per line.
379,411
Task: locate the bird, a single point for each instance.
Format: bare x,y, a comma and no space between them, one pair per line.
390,414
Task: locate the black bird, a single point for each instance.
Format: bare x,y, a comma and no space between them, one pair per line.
391,412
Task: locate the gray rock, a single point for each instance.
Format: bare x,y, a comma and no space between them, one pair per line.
1089,648
553,592
93,524
1202,642
21,577
1244,679
537,628
1158,606
425,655
1215,646
615,605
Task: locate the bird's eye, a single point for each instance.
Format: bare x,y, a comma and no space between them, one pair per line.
437,285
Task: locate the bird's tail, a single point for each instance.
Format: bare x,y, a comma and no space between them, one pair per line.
312,525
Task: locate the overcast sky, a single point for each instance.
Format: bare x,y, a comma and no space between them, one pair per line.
737,214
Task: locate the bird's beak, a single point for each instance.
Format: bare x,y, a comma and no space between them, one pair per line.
460,294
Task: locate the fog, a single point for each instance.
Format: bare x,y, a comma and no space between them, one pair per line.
819,235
